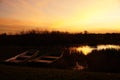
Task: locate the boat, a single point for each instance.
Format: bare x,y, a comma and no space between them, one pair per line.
23,57
45,60
32,58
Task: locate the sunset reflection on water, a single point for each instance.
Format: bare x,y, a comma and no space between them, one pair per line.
88,49
85,49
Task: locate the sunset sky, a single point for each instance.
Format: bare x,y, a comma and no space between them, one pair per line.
98,16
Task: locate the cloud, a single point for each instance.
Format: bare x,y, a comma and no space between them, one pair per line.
23,9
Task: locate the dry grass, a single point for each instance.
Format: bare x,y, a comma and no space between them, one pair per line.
8,72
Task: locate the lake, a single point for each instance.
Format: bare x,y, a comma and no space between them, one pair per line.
88,49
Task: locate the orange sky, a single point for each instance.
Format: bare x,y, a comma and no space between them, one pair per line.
63,15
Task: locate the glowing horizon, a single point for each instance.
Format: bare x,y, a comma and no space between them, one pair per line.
99,16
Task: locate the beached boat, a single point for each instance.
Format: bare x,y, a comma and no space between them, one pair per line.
23,57
46,59
33,58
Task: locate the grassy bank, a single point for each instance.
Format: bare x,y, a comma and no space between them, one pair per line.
29,73
9,72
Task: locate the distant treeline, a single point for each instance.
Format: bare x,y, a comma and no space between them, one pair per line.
58,38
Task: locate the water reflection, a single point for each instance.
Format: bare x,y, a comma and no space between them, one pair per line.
99,47
88,49
85,49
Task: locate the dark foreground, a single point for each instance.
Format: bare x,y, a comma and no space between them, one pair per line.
8,72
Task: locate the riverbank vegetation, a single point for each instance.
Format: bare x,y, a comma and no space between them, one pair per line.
36,38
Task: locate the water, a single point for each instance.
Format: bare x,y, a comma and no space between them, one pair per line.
85,49
88,49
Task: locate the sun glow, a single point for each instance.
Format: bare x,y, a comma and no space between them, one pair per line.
62,15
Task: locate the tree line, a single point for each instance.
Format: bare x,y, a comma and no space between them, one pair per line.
58,38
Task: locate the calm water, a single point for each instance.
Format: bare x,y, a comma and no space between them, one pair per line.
87,49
